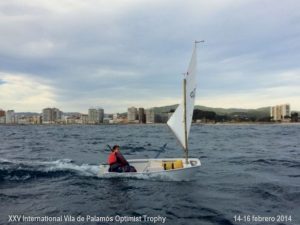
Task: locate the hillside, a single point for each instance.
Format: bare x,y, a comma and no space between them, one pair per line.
258,113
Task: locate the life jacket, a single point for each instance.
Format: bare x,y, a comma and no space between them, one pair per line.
112,158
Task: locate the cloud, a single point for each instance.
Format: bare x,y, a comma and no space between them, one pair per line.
2,82
120,53
21,92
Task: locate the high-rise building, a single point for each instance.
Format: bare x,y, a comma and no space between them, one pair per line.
142,116
2,113
280,112
10,117
56,114
150,116
132,114
95,116
2,116
47,115
84,118
101,114
51,115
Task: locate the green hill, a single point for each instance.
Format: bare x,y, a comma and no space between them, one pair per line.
257,113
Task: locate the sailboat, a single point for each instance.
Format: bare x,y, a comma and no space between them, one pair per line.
180,125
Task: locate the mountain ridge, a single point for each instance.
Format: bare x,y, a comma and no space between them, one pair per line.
219,111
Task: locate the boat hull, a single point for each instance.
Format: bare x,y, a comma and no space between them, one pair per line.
153,169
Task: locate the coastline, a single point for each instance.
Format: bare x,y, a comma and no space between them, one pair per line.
149,124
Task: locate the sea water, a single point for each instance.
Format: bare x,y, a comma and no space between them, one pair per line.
250,174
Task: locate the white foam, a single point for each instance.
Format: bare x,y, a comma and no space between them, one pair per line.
84,169
57,165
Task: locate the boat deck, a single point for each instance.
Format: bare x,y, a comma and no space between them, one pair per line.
155,168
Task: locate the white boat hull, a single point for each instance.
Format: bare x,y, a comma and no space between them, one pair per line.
153,169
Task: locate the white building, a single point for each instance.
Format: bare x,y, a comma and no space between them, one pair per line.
132,114
2,119
95,116
150,116
10,117
37,119
280,112
84,118
47,115
51,115
115,116
57,114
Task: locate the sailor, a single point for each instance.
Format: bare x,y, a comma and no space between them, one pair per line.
117,161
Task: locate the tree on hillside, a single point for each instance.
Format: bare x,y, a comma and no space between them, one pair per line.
294,117
200,115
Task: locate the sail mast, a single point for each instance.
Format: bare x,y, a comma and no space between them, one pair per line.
186,146
186,149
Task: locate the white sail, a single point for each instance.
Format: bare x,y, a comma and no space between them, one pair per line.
176,122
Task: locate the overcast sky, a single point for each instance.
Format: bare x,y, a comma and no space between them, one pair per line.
74,54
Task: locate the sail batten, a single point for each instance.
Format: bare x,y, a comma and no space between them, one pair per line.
177,122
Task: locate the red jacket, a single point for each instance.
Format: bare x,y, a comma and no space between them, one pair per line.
112,158
117,157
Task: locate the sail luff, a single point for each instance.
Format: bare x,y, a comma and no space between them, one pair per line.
180,121
186,149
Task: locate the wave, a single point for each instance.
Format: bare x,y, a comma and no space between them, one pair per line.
272,162
14,170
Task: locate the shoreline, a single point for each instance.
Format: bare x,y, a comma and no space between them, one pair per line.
149,124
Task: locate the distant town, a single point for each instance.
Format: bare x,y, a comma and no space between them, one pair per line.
278,113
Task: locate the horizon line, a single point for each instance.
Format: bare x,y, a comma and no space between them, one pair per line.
22,111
